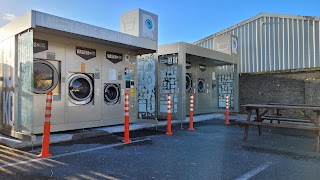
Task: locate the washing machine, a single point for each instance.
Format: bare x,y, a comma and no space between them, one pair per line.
80,89
112,93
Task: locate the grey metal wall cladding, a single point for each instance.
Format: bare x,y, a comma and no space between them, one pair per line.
274,42
225,69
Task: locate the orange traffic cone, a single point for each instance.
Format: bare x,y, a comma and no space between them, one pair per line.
46,130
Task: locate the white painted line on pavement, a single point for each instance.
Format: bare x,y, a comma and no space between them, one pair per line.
71,153
255,171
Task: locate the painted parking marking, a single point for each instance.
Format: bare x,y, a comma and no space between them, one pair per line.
255,171
71,153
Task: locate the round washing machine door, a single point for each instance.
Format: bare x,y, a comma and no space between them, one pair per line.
201,86
188,82
45,76
111,93
80,89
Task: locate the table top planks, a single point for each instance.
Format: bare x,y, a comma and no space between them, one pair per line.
283,106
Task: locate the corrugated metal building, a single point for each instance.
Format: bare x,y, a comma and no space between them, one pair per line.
272,42
279,58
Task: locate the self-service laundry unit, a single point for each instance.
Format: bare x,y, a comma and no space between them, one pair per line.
87,69
117,76
83,86
185,69
46,78
198,83
204,97
80,89
48,63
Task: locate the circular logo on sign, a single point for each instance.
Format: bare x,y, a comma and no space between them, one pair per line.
149,24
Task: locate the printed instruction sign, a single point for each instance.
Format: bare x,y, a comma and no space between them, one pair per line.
112,74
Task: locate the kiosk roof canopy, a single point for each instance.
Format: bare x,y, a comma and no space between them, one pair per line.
43,22
198,53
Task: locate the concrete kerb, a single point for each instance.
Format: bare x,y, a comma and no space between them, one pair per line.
100,131
18,143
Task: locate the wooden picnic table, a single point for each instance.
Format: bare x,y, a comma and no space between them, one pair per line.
305,122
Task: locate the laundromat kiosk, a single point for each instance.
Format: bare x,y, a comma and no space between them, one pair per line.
185,68
88,69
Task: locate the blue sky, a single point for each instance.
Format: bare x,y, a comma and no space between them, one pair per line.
179,20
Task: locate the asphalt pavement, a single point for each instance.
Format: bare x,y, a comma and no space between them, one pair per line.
213,151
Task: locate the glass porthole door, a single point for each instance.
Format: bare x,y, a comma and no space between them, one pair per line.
45,77
201,88
111,93
189,82
80,89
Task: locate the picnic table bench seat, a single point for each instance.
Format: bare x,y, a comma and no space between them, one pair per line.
262,114
290,125
281,118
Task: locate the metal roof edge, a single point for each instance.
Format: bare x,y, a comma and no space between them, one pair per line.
178,47
67,25
20,24
171,43
230,28
208,53
316,18
170,48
